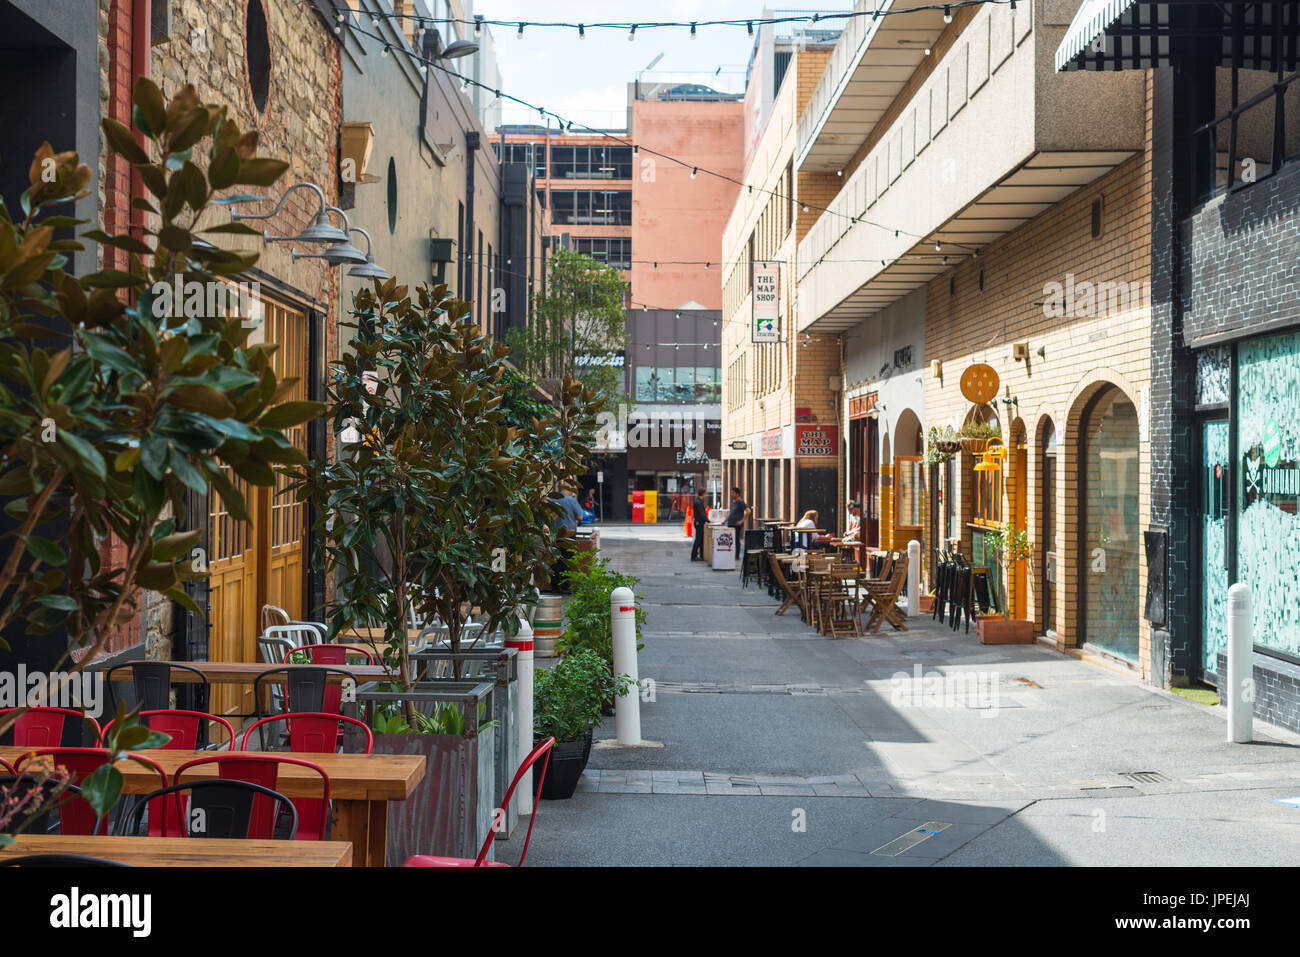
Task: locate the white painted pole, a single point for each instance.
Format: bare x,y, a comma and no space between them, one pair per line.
523,644
627,709
1241,684
913,578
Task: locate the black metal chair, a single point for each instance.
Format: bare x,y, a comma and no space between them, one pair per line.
217,808
151,687
755,555
307,688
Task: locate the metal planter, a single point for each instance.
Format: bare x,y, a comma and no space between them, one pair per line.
501,666
450,813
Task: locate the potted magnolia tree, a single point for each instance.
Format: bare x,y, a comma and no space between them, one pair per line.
567,703
117,402
438,506
1007,545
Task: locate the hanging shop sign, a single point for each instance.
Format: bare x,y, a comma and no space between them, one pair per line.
979,383
816,441
738,445
767,321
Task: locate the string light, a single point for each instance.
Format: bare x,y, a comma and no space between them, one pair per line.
631,34
520,34
478,26
692,31
569,124
947,14
582,32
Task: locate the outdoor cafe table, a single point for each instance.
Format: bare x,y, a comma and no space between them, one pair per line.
361,785
186,851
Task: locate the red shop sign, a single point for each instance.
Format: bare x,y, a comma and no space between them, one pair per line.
816,441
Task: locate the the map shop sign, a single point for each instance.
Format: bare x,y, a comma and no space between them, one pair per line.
816,441
767,284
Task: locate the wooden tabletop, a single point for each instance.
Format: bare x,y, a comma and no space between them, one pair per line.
187,851
353,777
244,672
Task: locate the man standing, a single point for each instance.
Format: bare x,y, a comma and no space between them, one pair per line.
701,512
737,516
570,518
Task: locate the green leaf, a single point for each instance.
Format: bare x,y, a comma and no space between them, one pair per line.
260,171
122,142
290,414
150,109
202,398
102,789
173,546
45,550
58,602
88,454
224,168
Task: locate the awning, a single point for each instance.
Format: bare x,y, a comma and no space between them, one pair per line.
1141,34
1089,24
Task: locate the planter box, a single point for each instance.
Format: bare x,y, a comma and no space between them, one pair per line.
927,604
449,814
501,667
975,445
995,630
568,761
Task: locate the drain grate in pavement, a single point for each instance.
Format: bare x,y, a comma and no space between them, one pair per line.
1145,777
912,838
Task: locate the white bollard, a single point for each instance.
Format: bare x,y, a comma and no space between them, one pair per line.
1241,683
523,644
627,709
913,578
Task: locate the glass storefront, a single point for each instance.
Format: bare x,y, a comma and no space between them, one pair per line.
1111,532
1215,470
1268,497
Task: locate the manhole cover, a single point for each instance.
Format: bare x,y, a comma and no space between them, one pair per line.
1145,777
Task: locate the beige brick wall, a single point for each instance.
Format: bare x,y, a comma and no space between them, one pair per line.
1079,357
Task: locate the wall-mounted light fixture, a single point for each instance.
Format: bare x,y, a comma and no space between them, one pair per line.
336,254
368,269
321,229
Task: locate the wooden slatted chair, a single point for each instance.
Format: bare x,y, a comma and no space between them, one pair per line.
884,601
840,600
793,590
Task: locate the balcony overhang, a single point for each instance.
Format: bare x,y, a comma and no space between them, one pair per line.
1037,184
872,62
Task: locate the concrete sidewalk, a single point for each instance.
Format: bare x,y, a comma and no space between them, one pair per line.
918,747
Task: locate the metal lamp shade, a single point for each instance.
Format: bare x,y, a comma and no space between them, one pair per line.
322,231
369,270
344,252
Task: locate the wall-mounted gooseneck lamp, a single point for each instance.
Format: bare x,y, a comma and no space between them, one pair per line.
336,254
321,229
368,269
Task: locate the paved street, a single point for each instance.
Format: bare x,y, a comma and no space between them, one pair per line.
778,746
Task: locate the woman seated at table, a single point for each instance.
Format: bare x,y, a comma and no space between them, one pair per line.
809,539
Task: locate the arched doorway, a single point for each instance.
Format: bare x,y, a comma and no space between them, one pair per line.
1109,602
1047,550
909,479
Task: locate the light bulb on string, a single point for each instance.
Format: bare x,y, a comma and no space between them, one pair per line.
631,34
694,170
520,34
947,14
582,32
692,31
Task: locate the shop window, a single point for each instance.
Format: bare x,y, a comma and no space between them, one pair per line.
909,493
1268,490
645,383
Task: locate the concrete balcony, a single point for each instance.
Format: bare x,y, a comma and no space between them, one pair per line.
991,138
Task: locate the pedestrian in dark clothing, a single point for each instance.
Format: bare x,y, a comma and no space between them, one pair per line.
736,518
701,507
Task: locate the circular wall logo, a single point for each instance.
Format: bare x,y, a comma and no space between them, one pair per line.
1272,446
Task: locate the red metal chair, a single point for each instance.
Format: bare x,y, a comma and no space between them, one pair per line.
264,769
429,860
42,727
310,732
329,654
183,726
77,816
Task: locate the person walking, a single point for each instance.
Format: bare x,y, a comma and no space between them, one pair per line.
701,510
737,516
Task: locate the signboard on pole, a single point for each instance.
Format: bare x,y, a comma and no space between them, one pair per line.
767,284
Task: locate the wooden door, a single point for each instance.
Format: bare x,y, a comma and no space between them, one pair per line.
262,561
287,530
232,595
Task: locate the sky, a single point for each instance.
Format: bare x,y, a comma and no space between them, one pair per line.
586,80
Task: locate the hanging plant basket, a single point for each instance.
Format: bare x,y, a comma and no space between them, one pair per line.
975,445
948,446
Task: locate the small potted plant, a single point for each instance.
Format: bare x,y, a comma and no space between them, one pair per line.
1008,545
566,706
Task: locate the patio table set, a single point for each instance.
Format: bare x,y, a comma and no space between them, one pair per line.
299,786
836,592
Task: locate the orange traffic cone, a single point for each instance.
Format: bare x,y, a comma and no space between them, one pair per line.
690,520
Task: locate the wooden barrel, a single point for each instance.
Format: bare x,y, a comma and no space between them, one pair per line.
548,625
